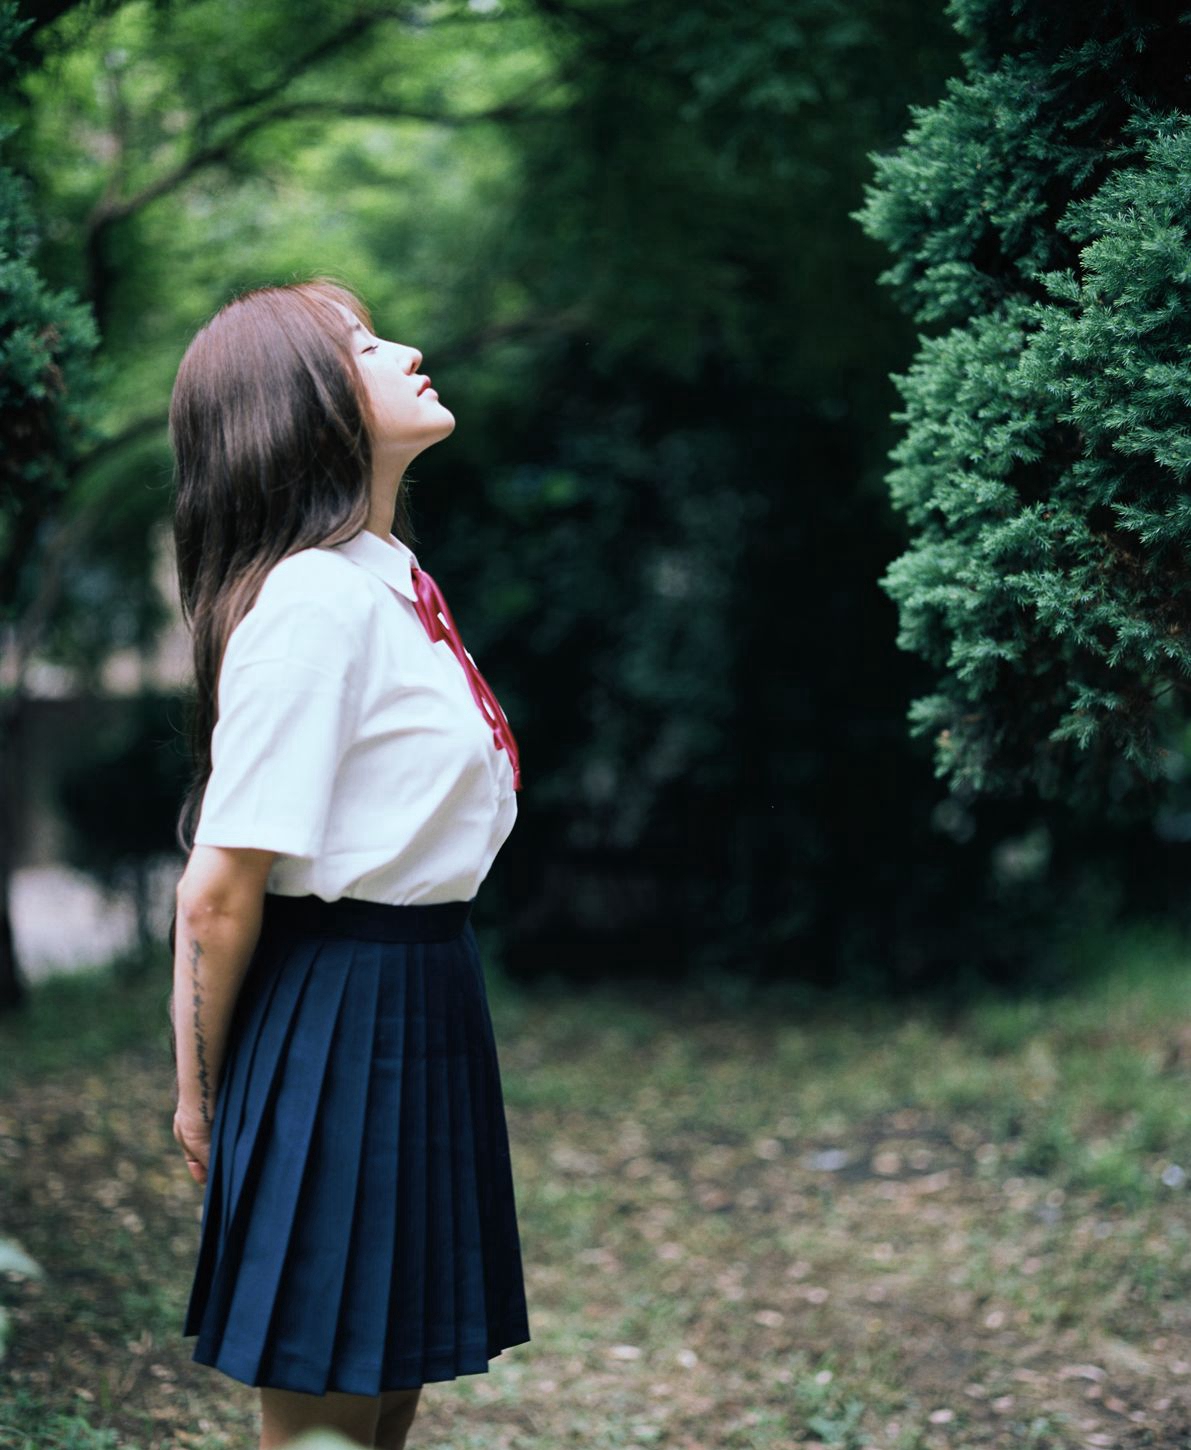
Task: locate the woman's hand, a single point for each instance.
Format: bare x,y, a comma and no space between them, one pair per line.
194,1137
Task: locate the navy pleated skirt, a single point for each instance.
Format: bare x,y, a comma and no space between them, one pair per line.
359,1230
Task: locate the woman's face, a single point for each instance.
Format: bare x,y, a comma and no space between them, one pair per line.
406,409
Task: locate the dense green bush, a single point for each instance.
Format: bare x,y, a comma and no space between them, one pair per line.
1038,218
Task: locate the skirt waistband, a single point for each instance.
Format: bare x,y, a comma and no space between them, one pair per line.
370,920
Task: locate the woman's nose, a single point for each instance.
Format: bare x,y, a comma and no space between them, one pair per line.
415,359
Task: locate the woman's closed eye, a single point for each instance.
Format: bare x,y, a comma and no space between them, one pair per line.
373,348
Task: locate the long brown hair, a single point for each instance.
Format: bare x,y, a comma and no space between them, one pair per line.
269,424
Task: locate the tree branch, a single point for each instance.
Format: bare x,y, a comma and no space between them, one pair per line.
108,211
358,26
206,151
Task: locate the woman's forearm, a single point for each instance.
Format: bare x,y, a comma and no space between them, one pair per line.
214,943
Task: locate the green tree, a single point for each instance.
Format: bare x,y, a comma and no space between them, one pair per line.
1038,219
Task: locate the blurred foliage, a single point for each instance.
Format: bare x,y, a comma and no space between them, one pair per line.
139,758
46,340
621,235
47,413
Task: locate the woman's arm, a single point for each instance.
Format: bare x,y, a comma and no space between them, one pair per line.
220,900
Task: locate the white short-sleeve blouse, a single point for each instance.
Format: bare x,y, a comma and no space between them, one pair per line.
349,741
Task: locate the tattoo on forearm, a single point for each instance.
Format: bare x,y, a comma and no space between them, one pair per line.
200,1042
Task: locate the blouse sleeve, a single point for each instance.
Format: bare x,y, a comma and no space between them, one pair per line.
288,707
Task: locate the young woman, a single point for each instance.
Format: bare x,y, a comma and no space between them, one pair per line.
339,1092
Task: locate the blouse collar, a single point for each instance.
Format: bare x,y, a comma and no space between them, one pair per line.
390,561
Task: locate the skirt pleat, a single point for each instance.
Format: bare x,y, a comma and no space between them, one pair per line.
359,1227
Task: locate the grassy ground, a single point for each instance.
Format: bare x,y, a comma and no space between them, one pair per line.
745,1225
